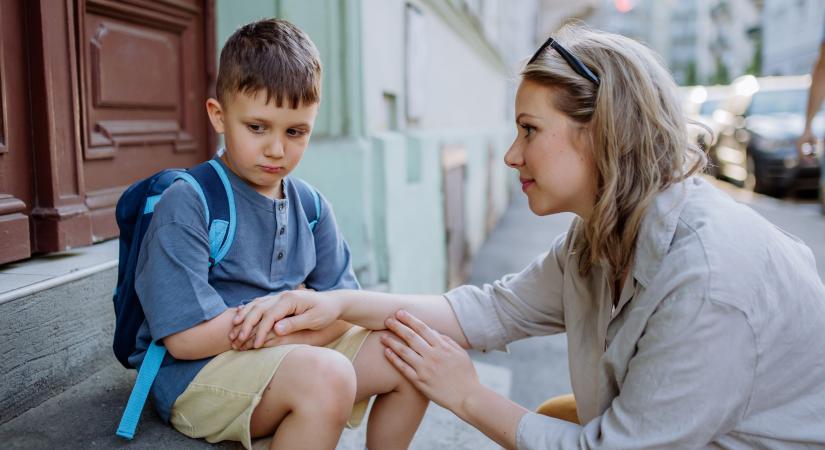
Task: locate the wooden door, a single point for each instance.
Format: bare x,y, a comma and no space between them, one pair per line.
16,170
94,95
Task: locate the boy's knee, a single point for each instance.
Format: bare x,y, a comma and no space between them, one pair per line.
326,381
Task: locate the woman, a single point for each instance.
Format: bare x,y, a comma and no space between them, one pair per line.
691,321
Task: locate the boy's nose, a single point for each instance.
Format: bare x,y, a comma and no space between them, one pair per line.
275,149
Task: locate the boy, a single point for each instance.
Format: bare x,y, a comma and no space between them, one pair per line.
299,390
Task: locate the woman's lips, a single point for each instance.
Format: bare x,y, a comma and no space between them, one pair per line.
526,183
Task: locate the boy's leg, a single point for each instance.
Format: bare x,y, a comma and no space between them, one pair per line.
308,400
398,410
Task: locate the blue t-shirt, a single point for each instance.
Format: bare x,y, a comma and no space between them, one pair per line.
274,250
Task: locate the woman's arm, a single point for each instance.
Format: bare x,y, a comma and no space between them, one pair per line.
494,415
293,311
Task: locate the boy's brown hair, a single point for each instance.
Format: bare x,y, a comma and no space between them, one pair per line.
272,55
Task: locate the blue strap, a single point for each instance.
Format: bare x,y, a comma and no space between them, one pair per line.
317,199
305,192
230,233
146,375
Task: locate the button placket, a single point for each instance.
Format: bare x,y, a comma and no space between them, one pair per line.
280,231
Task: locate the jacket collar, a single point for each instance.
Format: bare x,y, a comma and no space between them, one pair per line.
659,227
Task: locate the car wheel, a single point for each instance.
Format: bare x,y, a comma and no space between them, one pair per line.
751,183
756,182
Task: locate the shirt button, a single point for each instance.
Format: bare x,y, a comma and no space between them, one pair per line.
281,207
280,256
283,230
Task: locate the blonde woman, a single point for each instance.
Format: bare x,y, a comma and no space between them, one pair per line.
691,321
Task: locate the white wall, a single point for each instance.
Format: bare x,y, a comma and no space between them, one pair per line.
460,88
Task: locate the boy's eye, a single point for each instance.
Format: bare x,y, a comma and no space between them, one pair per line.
528,130
294,132
255,128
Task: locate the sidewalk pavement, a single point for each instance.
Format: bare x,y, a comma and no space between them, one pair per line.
86,415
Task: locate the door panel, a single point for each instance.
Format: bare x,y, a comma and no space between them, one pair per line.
143,88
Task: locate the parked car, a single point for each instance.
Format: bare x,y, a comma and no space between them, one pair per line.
759,125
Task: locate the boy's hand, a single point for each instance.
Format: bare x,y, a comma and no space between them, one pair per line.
271,340
272,312
319,338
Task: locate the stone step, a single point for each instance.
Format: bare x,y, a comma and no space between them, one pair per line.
86,416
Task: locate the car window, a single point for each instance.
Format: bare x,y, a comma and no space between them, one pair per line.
779,101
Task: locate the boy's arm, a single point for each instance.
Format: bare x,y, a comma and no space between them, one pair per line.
203,340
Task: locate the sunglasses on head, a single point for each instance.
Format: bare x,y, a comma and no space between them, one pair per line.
572,61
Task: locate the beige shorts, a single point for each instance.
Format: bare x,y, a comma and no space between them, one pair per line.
218,404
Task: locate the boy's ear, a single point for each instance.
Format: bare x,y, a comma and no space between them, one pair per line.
215,112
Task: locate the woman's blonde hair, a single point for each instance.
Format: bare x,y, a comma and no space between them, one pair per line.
638,134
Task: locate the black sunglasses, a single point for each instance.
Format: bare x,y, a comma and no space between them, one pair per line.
574,62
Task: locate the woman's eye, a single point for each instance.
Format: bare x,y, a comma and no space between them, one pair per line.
528,130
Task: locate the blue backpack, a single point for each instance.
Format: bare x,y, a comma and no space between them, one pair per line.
133,213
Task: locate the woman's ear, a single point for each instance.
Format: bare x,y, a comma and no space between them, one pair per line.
215,112
583,138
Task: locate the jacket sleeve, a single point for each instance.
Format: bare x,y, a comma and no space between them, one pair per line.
528,303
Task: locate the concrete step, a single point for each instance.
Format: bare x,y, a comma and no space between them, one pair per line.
86,416
55,333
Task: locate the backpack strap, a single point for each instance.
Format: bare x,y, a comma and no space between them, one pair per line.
212,185
221,200
310,200
146,375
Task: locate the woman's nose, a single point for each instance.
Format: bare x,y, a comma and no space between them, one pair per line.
513,157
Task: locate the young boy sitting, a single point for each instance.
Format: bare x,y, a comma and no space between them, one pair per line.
299,390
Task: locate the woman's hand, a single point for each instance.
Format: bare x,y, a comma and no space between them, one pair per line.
433,362
264,314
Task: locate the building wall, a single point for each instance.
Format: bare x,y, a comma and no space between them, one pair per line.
792,34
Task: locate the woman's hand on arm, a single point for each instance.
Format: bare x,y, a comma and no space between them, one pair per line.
444,372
